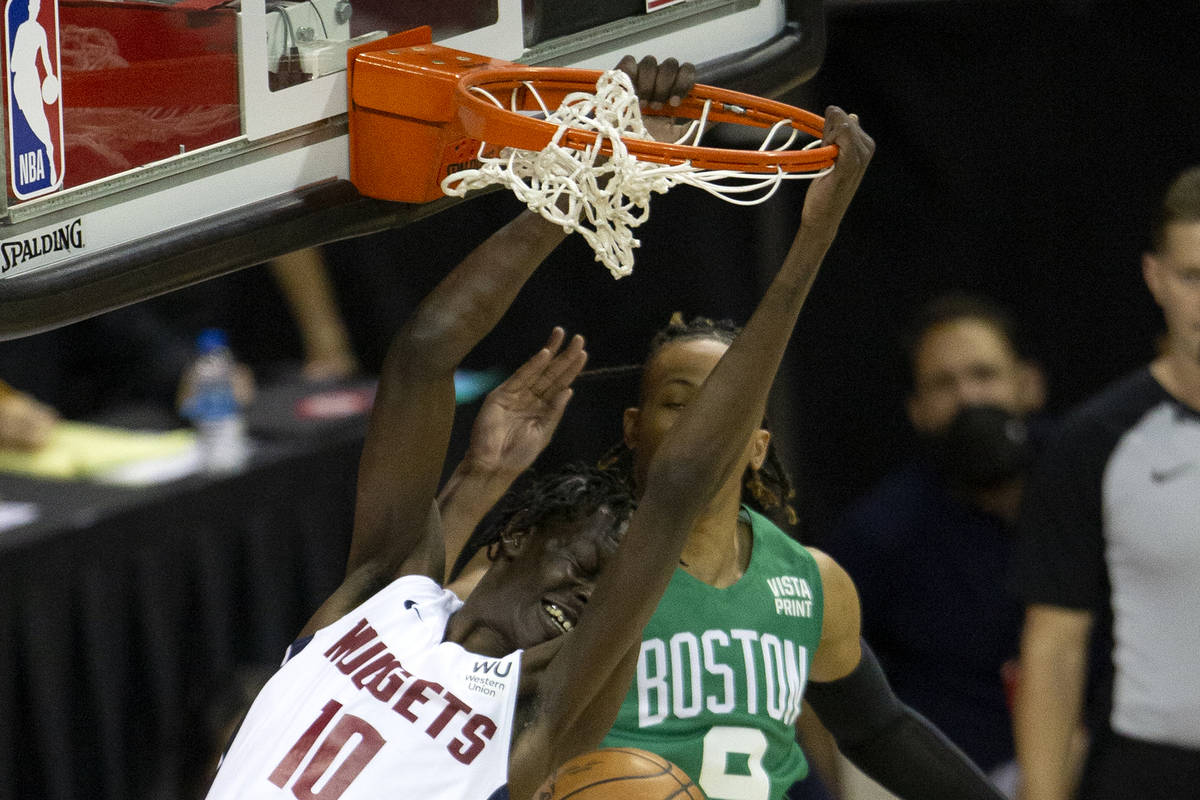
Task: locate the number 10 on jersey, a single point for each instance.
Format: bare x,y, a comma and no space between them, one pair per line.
325,767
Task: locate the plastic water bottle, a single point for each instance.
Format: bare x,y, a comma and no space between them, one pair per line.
212,406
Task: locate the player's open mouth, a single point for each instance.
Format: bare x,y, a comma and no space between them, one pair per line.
558,616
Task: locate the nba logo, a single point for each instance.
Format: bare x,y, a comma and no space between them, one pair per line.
35,137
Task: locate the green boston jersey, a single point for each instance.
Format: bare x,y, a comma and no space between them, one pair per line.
722,671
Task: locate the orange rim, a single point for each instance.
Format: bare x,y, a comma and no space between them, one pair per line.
485,121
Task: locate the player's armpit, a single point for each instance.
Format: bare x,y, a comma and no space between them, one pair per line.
357,587
370,576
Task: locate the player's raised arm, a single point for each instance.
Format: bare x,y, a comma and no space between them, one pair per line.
395,527
410,423
513,426
702,445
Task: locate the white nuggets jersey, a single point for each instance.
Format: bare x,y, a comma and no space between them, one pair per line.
376,705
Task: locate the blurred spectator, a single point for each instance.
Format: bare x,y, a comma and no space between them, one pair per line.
304,280
128,357
125,367
25,423
929,547
1110,551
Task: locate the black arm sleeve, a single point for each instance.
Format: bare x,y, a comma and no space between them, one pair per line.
890,742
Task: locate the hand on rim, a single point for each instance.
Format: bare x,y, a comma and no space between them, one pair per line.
655,83
829,196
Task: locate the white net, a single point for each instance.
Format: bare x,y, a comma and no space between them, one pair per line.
604,197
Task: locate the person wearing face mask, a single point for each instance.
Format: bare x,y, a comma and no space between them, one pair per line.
929,547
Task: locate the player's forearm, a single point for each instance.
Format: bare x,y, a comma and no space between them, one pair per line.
469,302
414,406
890,742
820,749
473,488
733,399
915,761
1046,712
706,445
466,497
798,272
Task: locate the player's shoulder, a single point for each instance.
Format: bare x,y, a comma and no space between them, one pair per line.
766,529
367,590
837,587
416,591
372,586
842,615
827,565
419,585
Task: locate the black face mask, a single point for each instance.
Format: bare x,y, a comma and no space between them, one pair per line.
983,446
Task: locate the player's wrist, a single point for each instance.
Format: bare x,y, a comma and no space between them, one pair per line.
486,470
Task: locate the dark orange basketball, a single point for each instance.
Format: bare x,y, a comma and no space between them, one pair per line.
619,773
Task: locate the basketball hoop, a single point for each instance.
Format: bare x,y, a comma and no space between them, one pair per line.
570,143
541,88
591,166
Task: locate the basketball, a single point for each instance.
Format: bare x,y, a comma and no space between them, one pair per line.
619,773
49,89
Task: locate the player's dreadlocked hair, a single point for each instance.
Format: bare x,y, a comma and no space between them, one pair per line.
768,489
569,493
679,330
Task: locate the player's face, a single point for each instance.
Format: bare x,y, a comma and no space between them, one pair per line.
670,381
1173,276
547,578
960,363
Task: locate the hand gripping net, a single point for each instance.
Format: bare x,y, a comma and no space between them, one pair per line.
605,196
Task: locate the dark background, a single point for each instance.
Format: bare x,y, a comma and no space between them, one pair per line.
1021,152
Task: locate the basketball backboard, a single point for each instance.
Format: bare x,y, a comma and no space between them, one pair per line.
150,146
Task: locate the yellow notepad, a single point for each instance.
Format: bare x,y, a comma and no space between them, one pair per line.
82,450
